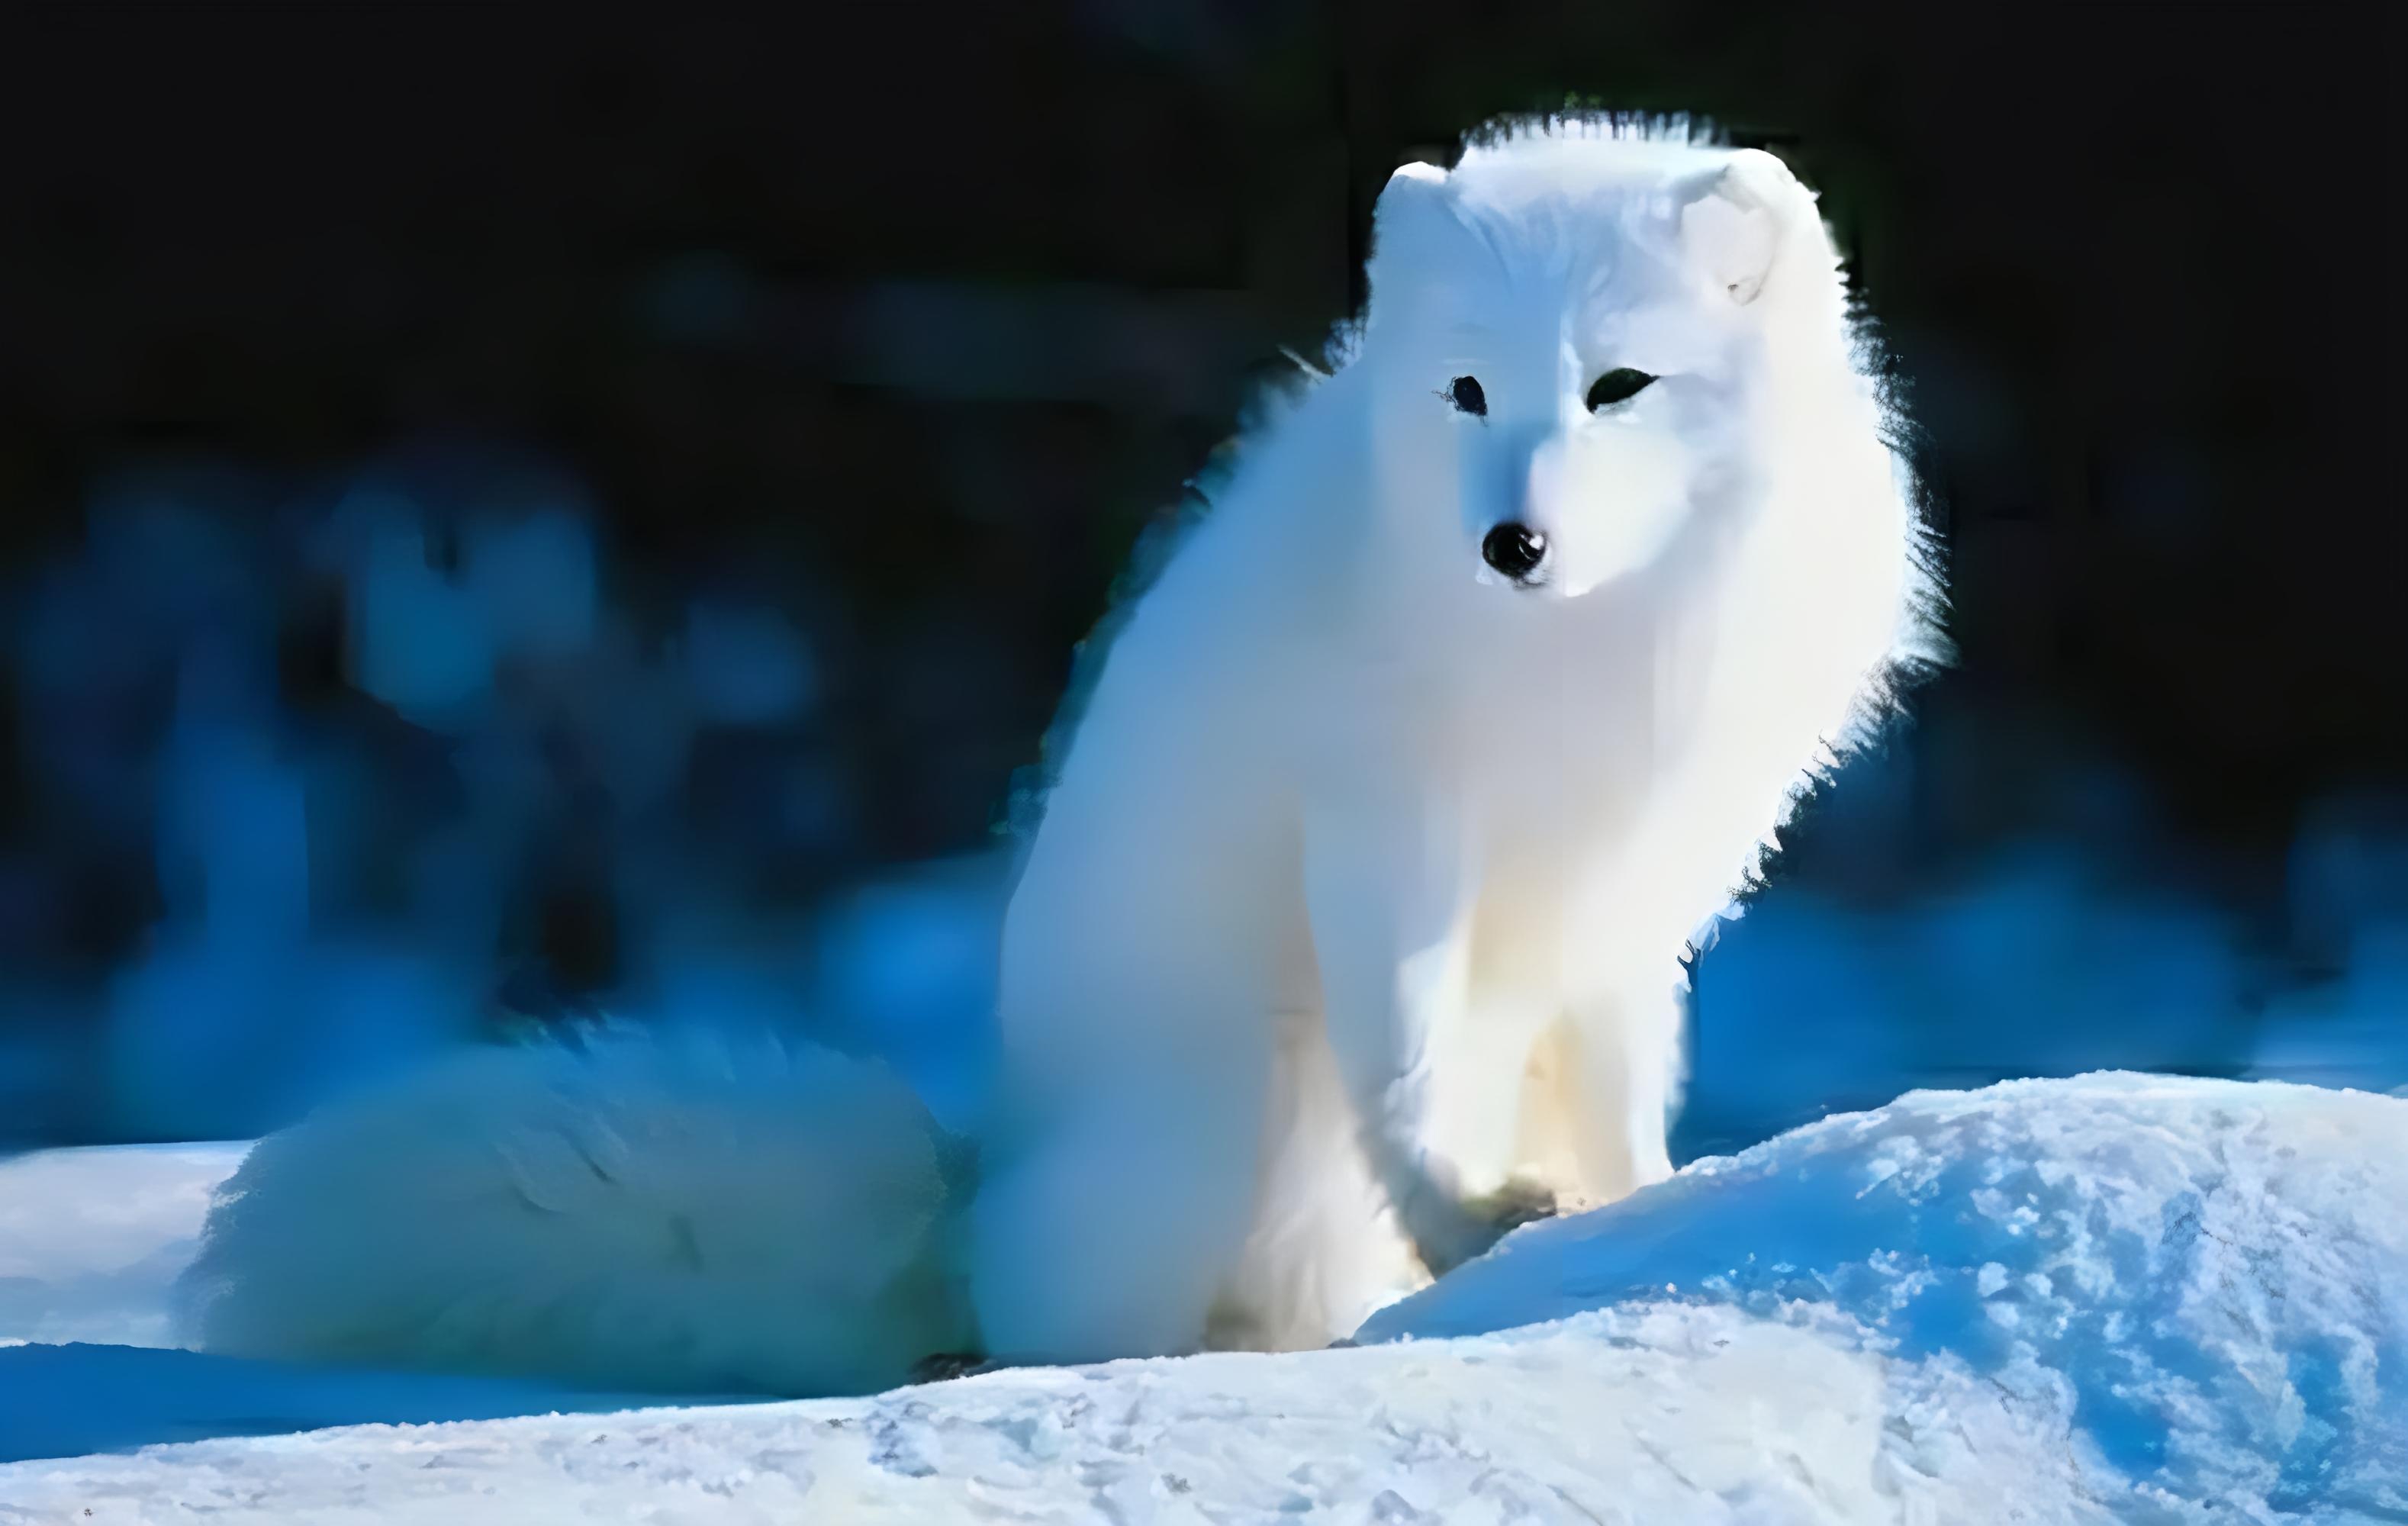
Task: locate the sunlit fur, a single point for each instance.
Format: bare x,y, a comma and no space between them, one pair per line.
1354,902
679,1214
1358,895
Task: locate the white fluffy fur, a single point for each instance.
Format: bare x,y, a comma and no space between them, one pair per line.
676,1216
1357,904
1349,931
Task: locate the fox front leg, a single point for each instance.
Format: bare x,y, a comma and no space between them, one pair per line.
1387,895
1627,1062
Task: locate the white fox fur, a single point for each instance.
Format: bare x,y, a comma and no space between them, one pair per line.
678,1215
1349,934
1359,898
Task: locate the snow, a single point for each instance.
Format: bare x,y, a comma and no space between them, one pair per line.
2208,1279
90,1240
2117,1297
1691,1415
62,1401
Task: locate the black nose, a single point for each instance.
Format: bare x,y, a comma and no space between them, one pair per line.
1515,550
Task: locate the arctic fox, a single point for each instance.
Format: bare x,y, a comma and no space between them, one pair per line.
1479,688
1348,936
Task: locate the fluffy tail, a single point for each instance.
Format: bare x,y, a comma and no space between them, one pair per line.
671,1215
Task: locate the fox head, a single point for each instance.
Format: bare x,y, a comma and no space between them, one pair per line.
1573,340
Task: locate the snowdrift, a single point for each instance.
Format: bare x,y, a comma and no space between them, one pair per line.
2115,1298
2207,1282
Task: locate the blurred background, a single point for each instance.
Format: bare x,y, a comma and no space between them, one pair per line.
506,519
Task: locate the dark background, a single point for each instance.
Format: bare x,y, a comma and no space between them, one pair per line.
895,325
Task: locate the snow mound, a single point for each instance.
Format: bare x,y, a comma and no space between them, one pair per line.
2114,1299
2209,1279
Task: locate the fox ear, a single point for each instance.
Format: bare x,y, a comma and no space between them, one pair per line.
1413,194
1733,219
1413,229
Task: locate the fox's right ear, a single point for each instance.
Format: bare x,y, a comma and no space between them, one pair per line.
1410,181
1409,231
1415,194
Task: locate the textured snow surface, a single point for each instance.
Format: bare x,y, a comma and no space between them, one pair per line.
2210,1277
2115,1298
1645,1415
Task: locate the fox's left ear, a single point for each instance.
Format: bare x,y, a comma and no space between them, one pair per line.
1733,219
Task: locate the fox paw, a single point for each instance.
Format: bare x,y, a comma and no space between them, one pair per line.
944,1366
1514,1204
1480,1222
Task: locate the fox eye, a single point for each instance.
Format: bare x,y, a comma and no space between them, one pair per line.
1465,393
1617,386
